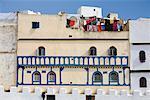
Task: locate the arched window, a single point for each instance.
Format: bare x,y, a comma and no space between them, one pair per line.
93,51
97,77
51,77
142,56
36,77
41,51
143,82
112,51
113,77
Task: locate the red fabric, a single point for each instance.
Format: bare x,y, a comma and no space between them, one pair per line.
90,20
72,23
115,26
99,28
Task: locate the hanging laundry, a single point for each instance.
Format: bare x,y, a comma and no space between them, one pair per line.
91,28
90,20
99,26
103,26
72,23
67,25
115,25
118,26
108,25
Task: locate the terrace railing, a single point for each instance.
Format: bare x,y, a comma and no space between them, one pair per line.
72,60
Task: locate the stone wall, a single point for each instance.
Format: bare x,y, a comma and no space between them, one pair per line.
8,35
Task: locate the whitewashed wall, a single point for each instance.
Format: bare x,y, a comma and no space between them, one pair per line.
139,31
135,77
75,95
8,33
88,11
135,63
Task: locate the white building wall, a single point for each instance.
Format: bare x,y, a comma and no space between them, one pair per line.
87,11
26,94
139,31
135,83
139,36
135,63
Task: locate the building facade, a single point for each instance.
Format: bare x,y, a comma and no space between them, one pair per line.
49,54
139,53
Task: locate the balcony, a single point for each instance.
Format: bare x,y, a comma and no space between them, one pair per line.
72,61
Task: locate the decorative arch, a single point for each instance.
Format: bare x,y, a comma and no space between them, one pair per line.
113,77
51,77
36,77
93,51
97,77
143,82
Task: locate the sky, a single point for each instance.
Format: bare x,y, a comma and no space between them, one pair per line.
127,9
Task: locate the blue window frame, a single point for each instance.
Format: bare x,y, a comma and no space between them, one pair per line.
36,77
35,25
51,78
97,77
113,77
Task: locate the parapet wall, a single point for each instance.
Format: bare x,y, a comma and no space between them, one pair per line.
25,93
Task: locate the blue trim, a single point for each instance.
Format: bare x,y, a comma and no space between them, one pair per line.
93,76
111,81
124,76
87,69
33,77
61,69
77,84
23,75
48,81
43,71
104,72
76,60
28,71
17,78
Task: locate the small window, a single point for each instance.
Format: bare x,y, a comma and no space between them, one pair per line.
143,82
36,77
142,56
35,25
50,97
51,77
41,51
90,97
112,51
93,51
97,77
113,76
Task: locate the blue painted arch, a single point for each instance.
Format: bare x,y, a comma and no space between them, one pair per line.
51,81
115,80
39,81
100,75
